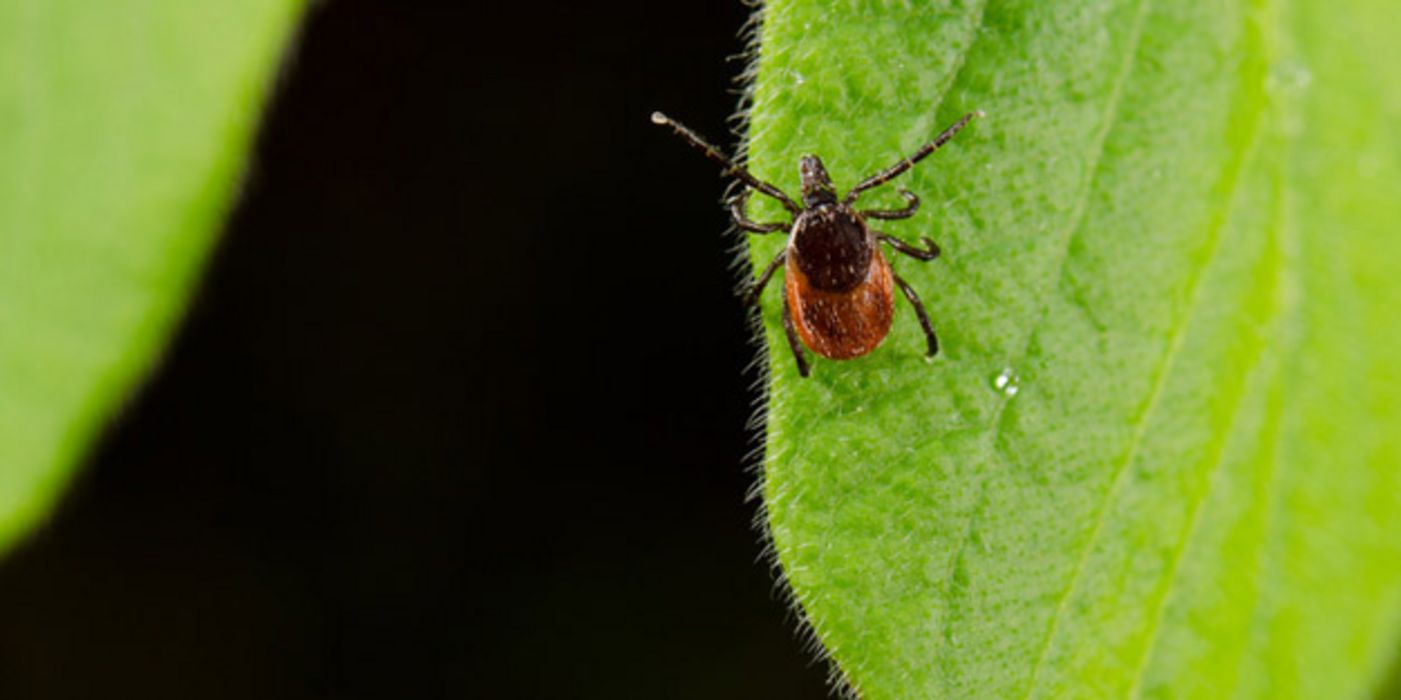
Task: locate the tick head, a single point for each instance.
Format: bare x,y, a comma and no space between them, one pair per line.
816,185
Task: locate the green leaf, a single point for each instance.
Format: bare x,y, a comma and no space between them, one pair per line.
124,126
1174,237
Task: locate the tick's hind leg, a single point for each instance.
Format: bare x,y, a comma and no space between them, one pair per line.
919,311
793,342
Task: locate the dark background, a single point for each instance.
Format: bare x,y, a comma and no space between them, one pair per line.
460,408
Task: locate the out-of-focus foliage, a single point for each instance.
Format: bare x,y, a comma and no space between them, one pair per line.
124,127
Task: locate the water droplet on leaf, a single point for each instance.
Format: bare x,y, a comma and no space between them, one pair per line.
1007,382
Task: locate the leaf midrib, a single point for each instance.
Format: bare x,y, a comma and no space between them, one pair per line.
1074,225
1200,274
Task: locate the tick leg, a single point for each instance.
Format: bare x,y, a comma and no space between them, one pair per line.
753,296
898,169
737,211
793,343
714,154
927,253
919,311
905,213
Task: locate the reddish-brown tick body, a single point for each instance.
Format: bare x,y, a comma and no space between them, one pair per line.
837,283
838,287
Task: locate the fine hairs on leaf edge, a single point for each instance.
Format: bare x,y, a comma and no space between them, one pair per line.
753,461
839,684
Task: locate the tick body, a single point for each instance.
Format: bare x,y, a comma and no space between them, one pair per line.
838,286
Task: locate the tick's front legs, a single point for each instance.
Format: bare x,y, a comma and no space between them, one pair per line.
899,168
730,166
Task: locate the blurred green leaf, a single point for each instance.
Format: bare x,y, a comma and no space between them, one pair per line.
124,126
1175,237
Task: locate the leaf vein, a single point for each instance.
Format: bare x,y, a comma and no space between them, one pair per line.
1111,118
1073,226
1220,458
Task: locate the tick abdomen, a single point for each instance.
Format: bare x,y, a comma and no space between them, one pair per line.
832,247
844,324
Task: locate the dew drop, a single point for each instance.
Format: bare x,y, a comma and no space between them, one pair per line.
1007,382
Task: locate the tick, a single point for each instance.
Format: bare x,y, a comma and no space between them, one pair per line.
838,296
